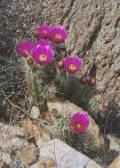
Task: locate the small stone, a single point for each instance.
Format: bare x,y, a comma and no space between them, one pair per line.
4,165
10,137
38,165
114,143
31,128
115,163
64,156
17,143
28,154
45,162
92,164
35,113
50,163
11,131
5,157
44,138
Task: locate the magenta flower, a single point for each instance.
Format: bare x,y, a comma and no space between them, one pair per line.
79,122
72,64
25,48
43,54
43,31
43,42
58,34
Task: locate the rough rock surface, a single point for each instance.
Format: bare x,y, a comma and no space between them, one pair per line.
115,163
64,156
94,28
11,137
28,154
114,143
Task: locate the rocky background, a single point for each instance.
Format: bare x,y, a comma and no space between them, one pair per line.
94,33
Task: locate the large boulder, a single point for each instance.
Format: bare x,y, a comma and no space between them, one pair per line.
115,163
63,156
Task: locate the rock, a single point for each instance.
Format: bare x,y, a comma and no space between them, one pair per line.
92,164
18,143
64,156
115,163
12,144
11,131
31,128
43,138
111,150
4,165
114,143
35,113
11,138
45,162
5,158
35,133
28,154
39,165
50,163
92,140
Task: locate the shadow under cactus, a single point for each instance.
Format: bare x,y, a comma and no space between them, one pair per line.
110,119
71,89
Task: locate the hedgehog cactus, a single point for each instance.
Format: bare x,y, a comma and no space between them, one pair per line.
48,65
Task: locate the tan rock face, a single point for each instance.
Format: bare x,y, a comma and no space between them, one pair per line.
45,162
94,33
35,113
28,154
115,163
34,132
31,128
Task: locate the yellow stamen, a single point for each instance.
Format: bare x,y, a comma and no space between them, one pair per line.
72,67
44,31
58,36
43,57
78,125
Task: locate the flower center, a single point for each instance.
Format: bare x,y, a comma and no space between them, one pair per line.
44,31
43,57
78,125
58,36
72,67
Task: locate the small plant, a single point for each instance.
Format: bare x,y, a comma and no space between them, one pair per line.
94,107
48,65
79,122
94,104
46,60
